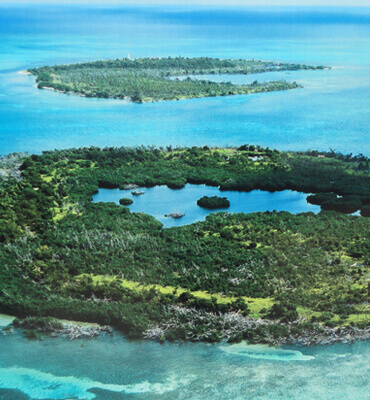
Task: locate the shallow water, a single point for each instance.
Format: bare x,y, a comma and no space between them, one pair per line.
330,112
112,368
160,200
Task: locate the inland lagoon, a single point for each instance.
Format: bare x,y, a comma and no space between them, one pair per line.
161,200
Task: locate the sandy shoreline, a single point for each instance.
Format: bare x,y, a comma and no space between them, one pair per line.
50,88
24,72
6,320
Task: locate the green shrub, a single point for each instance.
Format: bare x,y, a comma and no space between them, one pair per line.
125,201
213,202
365,210
320,198
283,311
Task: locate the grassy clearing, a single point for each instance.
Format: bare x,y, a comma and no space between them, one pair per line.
255,304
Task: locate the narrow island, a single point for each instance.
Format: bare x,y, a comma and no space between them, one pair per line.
151,79
270,277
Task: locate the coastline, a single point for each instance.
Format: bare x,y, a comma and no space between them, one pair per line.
39,328
24,72
51,88
71,329
143,101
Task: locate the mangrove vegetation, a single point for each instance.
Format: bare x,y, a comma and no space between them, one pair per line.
149,79
125,201
213,202
264,277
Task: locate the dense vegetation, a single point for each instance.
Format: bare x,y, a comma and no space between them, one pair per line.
63,256
346,204
125,201
148,79
213,202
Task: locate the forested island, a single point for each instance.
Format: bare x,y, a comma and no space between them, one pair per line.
149,79
213,202
265,277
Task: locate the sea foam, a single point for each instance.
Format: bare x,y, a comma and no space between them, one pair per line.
42,385
265,352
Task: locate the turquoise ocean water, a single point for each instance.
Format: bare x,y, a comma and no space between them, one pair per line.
330,112
112,368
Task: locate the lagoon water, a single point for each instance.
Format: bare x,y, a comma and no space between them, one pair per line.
160,200
331,111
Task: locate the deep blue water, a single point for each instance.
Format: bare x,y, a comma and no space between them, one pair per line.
330,112
160,200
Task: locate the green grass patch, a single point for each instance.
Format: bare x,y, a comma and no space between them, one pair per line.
255,304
